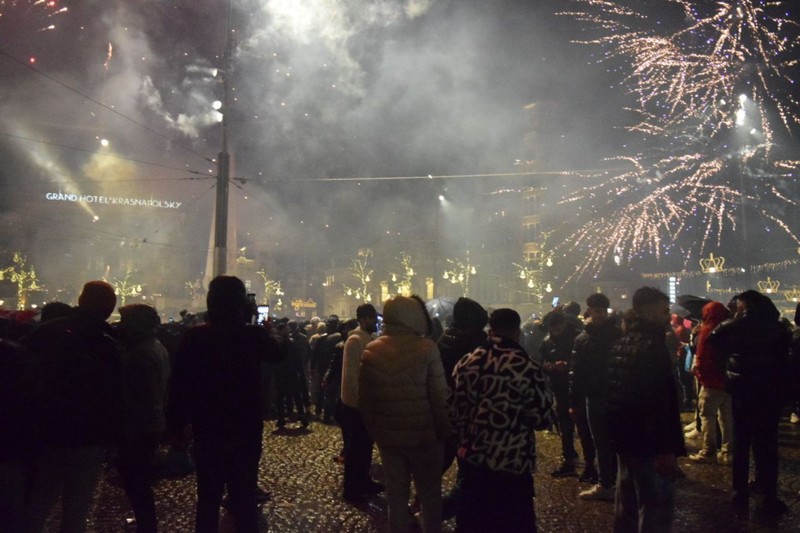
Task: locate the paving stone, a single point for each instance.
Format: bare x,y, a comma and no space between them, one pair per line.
297,467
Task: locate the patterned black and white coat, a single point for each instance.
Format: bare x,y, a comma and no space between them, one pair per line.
501,396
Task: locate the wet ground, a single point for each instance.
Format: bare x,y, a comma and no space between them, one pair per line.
297,467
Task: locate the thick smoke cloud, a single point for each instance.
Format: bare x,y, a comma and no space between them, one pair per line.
321,89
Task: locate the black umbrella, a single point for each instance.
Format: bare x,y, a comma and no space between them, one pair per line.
441,308
689,306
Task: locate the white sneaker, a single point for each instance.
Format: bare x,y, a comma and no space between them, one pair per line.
693,434
597,493
724,459
701,457
794,419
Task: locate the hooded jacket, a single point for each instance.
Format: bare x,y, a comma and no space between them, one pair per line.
757,347
402,393
709,360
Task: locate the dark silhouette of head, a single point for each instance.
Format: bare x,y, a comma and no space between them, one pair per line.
469,315
97,299
598,300
505,322
138,319
227,300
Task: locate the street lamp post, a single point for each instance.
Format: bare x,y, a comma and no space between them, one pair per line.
220,265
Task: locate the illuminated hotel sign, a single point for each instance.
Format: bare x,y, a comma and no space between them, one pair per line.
112,200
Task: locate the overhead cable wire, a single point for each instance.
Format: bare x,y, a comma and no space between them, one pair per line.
97,102
95,152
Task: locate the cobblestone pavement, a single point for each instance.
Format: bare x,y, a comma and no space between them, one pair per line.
298,468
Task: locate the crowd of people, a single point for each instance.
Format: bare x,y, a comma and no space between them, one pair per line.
79,393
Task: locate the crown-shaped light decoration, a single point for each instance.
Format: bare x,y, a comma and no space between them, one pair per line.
792,295
711,264
769,285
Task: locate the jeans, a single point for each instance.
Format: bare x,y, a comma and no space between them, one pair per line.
645,500
358,453
494,502
424,465
715,406
71,473
596,409
566,426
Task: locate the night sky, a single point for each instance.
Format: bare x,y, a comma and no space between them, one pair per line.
329,96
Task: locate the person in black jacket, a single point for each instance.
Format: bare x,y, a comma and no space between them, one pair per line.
556,352
215,386
21,402
589,389
82,406
290,375
644,417
757,349
462,337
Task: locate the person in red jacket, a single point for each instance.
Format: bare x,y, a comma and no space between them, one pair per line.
714,402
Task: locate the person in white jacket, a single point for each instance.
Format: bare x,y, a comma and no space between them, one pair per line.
358,453
402,397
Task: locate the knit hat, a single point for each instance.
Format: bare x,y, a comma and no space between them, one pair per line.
469,314
401,311
98,298
138,318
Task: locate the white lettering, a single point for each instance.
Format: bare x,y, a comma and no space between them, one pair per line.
112,200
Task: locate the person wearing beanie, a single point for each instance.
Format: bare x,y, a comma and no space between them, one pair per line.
462,337
82,406
145,369
588,391
402,397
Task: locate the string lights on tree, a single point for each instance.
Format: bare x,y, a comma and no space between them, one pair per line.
460,273
404,281
360,270
272,288
125,287
24,277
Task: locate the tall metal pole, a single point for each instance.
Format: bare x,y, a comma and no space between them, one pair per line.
223,164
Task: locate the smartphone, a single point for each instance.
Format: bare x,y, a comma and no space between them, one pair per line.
263,314
556,300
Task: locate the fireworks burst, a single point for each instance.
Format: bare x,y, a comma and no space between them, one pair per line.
36,14
693,72
714,85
